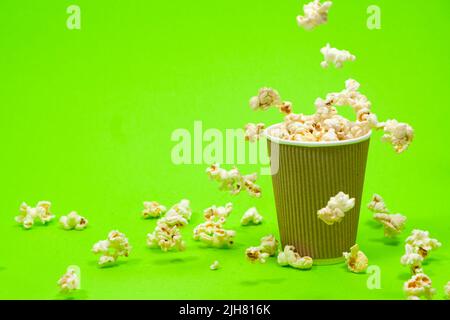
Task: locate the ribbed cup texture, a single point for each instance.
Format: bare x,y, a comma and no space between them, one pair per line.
306,179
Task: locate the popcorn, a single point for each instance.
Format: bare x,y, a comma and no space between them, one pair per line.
377,204
335,56
29,215
336,208
212,231
419,285
73,221
266,98
315,14
412,259
233,181
399,134
393,223
70,281
251,216
153,209
253,131
181,209
115,246
422,243
447,290
289,257
267,248
166,237
215,265
356,260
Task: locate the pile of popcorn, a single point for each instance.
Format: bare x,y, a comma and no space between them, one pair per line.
336,208
233,181
325,124
393,223
115,246
167,234
267,248
29,215
212,231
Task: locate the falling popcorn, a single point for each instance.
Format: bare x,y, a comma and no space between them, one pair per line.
266,98
153,209
251,216
336,208
399,134
267,248
335,56
166,237
356,260
115,246
377,204
412,259
418,286
29,215
73,221
70,281
289,257
253,131
393,223
233,181
215,265
212,231
315,14
421,242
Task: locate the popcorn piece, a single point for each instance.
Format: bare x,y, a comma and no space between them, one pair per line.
412,259
289,257
153,209
233,181
393,223
115,246
315,14
255,254
70,281
251,216
181,209
399,134
335,56
356,260
29,215
422,243
447,290
166,237
73,221
267,248
211,231
418,286
253,131
377,204
266,98
215,265
336,208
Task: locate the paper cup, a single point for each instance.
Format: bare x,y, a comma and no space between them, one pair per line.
305,175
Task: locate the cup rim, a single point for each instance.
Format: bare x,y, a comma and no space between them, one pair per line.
314,143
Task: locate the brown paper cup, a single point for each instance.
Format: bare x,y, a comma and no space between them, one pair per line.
305,175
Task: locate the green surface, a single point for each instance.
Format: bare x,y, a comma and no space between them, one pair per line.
86,118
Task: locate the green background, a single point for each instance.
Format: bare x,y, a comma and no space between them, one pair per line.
86,118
